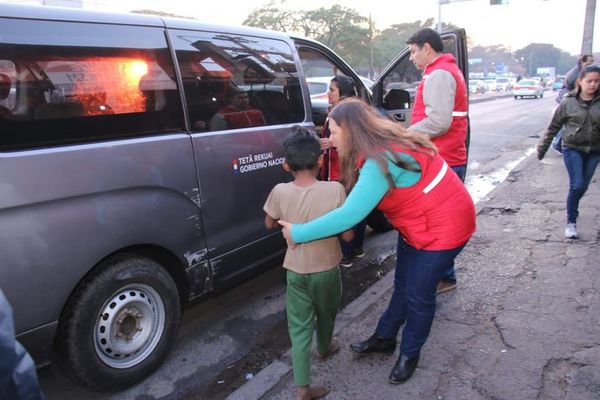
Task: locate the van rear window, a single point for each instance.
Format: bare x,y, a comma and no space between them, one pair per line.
110,82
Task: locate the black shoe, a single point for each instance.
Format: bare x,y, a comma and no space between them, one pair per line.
403,370
358,252
346,261
374,344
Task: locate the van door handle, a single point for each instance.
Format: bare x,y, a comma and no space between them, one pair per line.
401,117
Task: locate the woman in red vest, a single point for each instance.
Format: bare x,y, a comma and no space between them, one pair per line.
401,174
341,87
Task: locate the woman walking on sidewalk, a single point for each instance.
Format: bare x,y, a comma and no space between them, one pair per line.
402,175
579,113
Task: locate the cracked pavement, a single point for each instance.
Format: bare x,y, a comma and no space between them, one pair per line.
524,322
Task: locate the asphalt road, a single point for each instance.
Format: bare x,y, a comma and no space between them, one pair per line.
226,330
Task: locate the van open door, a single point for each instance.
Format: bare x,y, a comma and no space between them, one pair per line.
395,89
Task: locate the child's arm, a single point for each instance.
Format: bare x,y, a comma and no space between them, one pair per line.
348,235
270,222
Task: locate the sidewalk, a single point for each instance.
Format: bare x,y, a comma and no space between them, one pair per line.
523,324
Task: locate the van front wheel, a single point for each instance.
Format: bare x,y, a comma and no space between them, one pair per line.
119,324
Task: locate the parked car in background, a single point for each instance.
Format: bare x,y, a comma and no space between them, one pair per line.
558,82
318,88
490,84
476,86
528,88
503,84
368,82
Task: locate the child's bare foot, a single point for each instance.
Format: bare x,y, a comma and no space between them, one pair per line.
310,393
334,347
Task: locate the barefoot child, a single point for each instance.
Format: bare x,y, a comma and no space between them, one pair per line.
313,278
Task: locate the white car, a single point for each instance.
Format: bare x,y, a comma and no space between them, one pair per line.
490,85
503,84
476,86
528,87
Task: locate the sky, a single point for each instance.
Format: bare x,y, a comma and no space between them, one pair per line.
558,22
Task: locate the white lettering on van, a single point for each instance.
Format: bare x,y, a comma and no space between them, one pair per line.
254,162
276,161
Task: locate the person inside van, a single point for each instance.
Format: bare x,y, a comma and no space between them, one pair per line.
238,113
4,93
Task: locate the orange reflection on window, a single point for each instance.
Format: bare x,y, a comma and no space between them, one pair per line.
104,85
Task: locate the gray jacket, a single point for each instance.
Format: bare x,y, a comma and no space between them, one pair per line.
18,378
581,122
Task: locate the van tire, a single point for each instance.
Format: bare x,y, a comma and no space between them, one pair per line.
134,294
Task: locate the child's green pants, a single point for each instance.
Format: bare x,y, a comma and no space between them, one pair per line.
311,300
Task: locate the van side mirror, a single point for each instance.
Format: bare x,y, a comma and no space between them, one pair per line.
397,99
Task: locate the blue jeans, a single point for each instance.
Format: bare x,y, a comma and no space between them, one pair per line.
581,167
461,171
413,301
357,242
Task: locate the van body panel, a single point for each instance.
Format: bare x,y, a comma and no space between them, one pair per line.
237,171
65,209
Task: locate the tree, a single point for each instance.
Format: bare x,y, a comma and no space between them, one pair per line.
342,29
392,40
536,55
272,17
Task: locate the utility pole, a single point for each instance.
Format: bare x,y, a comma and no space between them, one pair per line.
588,27
371,45
439,24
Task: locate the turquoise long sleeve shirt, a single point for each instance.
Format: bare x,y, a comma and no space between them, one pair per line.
368,191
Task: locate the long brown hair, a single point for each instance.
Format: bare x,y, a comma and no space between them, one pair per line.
371,135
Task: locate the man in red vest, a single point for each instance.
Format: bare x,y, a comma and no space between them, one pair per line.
441,108
238,113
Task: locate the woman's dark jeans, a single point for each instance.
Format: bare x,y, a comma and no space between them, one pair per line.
413,301
581,167
357,242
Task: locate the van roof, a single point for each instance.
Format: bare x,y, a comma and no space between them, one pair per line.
25,11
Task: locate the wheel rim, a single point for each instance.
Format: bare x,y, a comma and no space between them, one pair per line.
129,326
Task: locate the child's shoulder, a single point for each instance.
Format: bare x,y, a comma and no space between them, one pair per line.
331,186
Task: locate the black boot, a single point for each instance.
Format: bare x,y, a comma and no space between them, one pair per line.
374,344
404,368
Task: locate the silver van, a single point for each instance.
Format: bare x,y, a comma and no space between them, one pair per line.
135,155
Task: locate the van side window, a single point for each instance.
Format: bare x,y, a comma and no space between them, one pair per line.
108,82
319,70
235,82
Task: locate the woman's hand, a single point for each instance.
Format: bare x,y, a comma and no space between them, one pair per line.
326,143
287,232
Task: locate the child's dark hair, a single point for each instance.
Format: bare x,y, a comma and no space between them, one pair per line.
345,85
301,150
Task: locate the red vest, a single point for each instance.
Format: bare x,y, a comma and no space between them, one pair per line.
452,144
242,119
436,213
331,161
